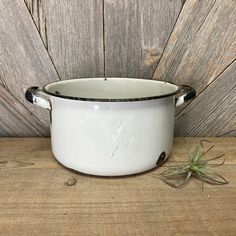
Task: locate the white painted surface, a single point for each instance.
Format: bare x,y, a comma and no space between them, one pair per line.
111,138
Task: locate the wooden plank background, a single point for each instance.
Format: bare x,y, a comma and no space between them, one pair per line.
188,42
136,33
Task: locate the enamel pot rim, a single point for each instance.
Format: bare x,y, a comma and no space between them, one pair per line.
45,90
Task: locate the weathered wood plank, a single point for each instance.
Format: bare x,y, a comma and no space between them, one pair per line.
213,112
71,225
24,60
135,35
16,120
229,133
73,34
35,199
33,6
36,10
202,44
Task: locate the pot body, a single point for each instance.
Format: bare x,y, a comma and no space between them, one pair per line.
112,138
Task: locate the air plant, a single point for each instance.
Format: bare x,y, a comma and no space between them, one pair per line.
178,176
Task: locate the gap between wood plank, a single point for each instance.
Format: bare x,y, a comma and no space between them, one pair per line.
167,41
30,113
38,30
25,118
46,42
206,16
221,135
193,20
37,1
104,44
204,89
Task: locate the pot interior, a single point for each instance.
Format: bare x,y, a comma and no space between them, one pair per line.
111,88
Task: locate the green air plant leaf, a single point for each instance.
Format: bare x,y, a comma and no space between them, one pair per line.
178,176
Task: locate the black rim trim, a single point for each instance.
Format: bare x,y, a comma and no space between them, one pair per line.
112,99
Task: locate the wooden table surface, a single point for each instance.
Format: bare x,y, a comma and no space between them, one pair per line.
35,198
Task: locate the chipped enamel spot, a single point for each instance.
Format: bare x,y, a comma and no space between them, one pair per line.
161,159
180,101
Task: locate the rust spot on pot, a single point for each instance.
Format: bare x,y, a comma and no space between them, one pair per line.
161,159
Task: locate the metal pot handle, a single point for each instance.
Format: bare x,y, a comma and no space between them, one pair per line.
36,96
186,94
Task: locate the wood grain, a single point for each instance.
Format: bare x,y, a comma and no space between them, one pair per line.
135,35
35,199
24,61
17,120
36,9
72,32
202,44
192,43
219,113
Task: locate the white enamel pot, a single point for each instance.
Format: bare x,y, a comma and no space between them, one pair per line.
111,126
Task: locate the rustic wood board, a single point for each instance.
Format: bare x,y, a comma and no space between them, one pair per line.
135,35
202,44
72,32
17,120
192,42
24,61
35,199
36,9
219,114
